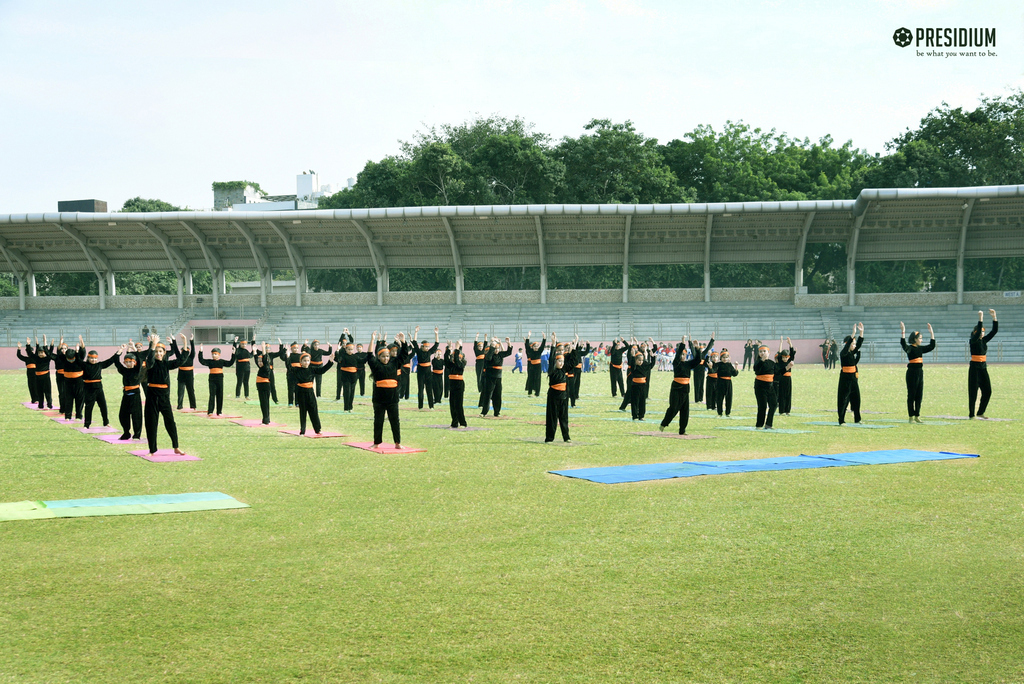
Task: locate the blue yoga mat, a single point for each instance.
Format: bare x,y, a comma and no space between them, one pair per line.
135,500
666,471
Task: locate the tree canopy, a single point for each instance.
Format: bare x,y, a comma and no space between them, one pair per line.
497,160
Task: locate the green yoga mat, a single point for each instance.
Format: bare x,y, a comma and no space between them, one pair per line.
161,503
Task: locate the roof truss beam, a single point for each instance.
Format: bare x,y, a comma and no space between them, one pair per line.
456,260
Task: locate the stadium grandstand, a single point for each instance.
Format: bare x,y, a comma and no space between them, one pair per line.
879,225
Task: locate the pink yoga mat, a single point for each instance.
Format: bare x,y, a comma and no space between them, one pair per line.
94,430
190,410
672,435
33,405
113,439
221,416
311,434
384,448
459,429
59,418
164,456
493,417
256,422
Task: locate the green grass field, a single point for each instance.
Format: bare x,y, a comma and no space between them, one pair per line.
471,563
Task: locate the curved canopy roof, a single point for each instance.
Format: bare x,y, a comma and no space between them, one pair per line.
886,224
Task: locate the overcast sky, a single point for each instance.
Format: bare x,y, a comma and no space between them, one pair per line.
112,100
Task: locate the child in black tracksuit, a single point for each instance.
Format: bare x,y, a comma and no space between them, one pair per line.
305,393
915,368
764,388
262,361
216,380
385,370
725,371
186,374
557,414
455,364
130,414
848,393
679,395
784,361
977,372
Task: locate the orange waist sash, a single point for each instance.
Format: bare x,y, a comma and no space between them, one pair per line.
682,381
93,381
348,369
154,385
185,368
534,360
454,377
304,385
787,374
917,360
216,371
128,388
387,384
713,376
558,386
978,358
765,378
639,379
260,379
849,369
45,372
241,360
71,375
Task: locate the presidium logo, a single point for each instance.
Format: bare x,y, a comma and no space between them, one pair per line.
967,40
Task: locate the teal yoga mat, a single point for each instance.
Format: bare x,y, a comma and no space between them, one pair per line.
159,503
664,471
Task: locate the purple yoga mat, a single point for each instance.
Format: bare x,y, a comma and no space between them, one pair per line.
164,456
97,430
256,422
672,435
113,439
312,435
460,429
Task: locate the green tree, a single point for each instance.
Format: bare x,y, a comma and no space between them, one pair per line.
955,147
140,205
615,164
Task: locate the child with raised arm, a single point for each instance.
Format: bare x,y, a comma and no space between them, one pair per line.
848,394
455,364
977,372
915,368
158,398
130,413
216,379
385,370
784,361
305,392
557,414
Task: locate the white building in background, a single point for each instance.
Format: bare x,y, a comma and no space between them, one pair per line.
307,191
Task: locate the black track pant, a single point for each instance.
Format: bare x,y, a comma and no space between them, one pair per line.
131,414
317,381
446,385
263,390
404,382
678,402
915,389
482,385
241,379
362,381
75,397
784,390
977,379
767,402
187,384
437,385
60,389
158,402
424,383
347,388
30,377
638,400
43,391
216,383
94,397
710,387
305,399
533,379
723,396
557,415
379,410
480,377
492,395
698,385
291,389
848,396
337,391
576,379
273,385
616,379
456,394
